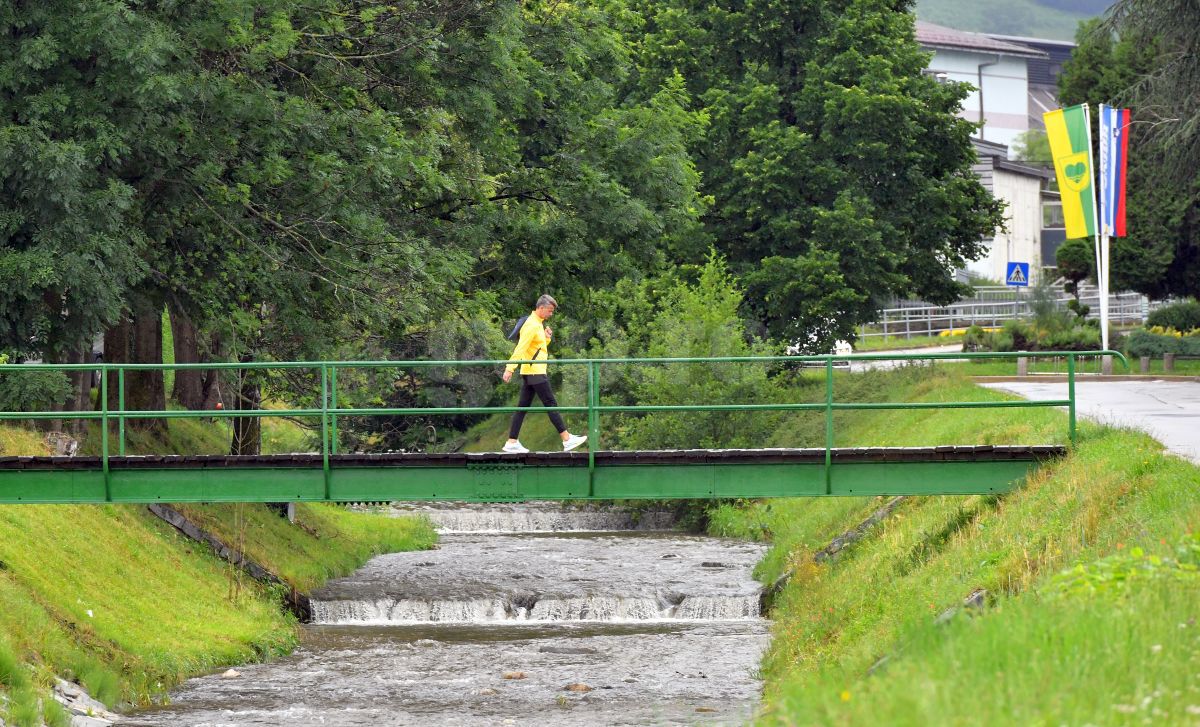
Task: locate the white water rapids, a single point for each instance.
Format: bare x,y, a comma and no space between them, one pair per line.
521,628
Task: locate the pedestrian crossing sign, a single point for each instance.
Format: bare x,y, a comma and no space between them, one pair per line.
1018,274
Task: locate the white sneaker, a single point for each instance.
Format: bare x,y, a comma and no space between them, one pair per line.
515,448
573,441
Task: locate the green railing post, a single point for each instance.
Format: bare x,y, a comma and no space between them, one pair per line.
1071,397
828,425
325,427
333,405
104,434
593,422
121,414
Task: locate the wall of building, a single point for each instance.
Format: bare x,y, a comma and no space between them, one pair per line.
1005,90
1021,242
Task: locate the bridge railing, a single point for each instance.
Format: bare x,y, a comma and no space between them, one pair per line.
330,411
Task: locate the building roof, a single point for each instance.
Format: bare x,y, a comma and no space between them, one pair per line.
1044,71
1025,170
941,37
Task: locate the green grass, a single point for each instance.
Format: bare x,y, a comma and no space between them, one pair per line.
1008,367
1025,658
20,441
888,343
537,433
118,600
302,555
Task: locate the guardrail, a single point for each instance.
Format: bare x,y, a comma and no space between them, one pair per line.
928,320
330,410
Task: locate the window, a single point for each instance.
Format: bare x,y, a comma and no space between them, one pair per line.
1052,215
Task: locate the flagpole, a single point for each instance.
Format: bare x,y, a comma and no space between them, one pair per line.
1101,233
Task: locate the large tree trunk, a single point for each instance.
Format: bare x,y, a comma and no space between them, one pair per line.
189,383
138,339
247,431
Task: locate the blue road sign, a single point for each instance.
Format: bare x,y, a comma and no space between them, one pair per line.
1018,274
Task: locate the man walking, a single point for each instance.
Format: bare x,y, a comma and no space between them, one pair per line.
532,345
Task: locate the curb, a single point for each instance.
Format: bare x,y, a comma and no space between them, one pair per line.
1081,378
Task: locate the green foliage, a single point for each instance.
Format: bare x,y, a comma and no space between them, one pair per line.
70,233
32,390
1032,336
1183,316
13,674
699,320
1168,87
1120,572
1075,260
1161,254
54,714
826,150
1145,343
23,708
1033,146
858,638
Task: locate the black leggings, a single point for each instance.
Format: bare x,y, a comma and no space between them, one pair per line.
539,384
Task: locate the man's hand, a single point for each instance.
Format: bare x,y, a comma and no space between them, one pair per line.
549,331
507,376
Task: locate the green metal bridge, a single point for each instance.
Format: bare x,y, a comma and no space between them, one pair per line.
334,476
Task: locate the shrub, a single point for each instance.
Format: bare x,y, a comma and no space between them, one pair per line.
1183,316
1147,343
1028,336
1083,338
32,390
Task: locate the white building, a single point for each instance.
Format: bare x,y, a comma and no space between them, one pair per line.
1020,187
997,69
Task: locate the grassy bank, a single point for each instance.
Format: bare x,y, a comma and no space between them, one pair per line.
118,600
1117,640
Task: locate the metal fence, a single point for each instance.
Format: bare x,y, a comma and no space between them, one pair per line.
330,409
921,319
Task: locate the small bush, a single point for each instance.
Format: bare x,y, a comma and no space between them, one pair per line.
101,683
32,390
23,708
54,714
12,674
1148,343
1183,316
1028,336
1083,338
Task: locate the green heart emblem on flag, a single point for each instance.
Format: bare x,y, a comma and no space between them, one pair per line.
1076,171
1073,173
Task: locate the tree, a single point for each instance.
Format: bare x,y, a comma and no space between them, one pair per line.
1167,90
1075,260
70,238
695,320
1161,254
839,172
1033,146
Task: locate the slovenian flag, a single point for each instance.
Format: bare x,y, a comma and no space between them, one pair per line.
1070,133
1114,154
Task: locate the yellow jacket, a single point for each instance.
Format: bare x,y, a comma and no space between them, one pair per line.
532,346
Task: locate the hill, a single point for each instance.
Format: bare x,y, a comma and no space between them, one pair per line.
1054,19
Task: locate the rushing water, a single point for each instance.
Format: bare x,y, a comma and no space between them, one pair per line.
603,628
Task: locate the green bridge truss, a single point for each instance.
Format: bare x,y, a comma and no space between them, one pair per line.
597,474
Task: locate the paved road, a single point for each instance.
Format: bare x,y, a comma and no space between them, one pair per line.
1168,410
877,365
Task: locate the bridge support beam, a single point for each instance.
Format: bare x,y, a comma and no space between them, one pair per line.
500,478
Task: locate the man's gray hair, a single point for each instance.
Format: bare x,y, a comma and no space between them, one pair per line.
547,300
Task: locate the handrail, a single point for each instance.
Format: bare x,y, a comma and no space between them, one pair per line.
329,410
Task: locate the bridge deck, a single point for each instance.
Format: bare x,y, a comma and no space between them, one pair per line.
944,453
956,470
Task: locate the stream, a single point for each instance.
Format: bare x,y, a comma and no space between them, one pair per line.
524,615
